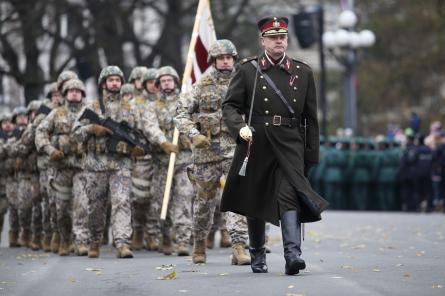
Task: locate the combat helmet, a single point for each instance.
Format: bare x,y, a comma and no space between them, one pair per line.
167,70
110,71
64,77
74,84
127,88
20,110
34,105
150,74
137,73
220,47
52,88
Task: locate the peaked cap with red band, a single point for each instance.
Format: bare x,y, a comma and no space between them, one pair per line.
273,25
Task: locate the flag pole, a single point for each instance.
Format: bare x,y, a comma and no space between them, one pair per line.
185,80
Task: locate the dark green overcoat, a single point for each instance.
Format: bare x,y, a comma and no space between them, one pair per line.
273,146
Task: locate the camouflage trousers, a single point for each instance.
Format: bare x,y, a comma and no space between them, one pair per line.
145,208
3,203
62,185
80,212
219,219
179,214
98,188
11,194
30,204
206,179
49,223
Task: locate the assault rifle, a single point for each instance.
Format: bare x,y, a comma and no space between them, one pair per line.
121,132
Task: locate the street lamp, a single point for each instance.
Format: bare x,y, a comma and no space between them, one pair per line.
343,45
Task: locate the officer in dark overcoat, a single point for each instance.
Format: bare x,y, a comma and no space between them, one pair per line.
271,110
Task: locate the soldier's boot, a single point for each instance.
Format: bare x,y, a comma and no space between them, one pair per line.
211,240
55,242
46,243
36,242
94,250
14,239
226,241
152,242
182,249
82,250
105,236
239,255
25,238
64,248
167,245
291,231
199,251
124,252
256,229
137,241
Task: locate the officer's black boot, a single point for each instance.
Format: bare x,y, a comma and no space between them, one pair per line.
291,231
257,240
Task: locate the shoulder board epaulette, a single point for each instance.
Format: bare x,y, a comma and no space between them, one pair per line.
159,103
302,62
125,104
245,60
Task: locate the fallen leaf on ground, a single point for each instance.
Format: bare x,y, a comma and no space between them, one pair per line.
407,275
437,286
72,279
92,269
170,276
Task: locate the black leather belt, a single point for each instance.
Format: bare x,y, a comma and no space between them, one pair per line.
276,120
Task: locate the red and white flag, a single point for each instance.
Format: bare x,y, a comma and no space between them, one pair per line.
202,37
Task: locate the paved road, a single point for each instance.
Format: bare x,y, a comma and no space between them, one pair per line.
348,253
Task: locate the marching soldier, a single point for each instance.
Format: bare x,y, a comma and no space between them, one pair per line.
106,168
6,129
145,207
53,138
275,95
29,190
179,217
200,117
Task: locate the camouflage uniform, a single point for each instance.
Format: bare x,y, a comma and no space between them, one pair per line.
53,135
3,173
27,190
145,207
106,175
199,112
30,190
180,206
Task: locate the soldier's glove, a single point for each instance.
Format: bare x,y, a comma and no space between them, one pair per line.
245,133
137,151
56,155
100,131
200,141
169,147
